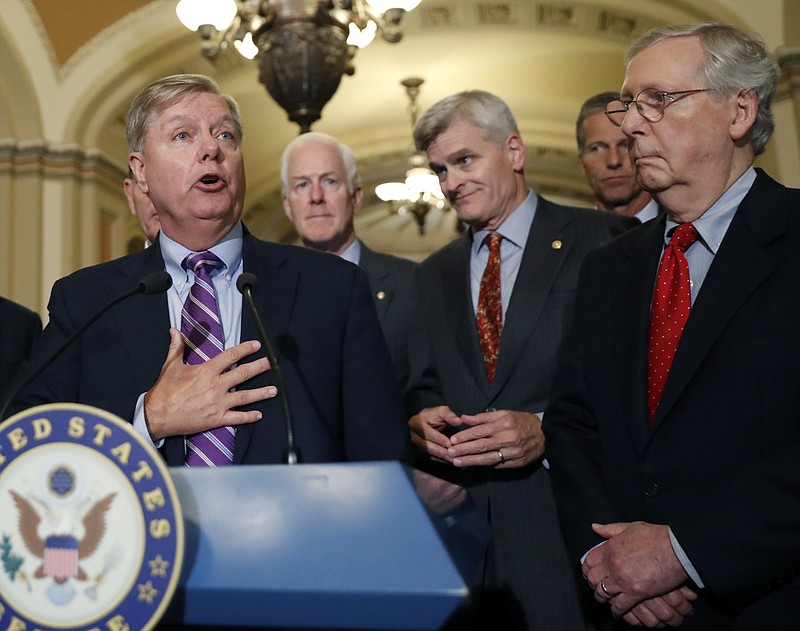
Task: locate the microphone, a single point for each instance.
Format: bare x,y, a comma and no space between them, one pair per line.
155,283
245,284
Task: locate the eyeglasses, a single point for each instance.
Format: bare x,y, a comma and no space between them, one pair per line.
650,103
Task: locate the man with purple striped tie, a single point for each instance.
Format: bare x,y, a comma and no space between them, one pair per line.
213,400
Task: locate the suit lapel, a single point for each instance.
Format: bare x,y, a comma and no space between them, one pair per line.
376,273
633,290
274,299
541,261
457,300
759,219
145,328
142,317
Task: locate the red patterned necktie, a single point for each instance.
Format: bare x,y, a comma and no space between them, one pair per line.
672,302
490,306
203,339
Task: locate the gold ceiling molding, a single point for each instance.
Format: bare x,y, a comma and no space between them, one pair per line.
575,18
38,156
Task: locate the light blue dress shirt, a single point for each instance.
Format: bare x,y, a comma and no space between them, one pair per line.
711,227
229,300
515,231
649,211
352,252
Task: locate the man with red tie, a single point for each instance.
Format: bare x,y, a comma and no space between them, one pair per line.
674,431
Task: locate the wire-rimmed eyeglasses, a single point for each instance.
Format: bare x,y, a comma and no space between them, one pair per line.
650,102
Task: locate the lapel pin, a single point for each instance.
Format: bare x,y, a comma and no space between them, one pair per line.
556,245
380,295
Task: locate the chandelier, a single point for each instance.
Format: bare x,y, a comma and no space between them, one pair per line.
303,47
420,192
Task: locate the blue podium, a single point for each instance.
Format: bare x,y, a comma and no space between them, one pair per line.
338,546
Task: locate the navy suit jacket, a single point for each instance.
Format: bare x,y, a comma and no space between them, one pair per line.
19,329
390,281
317,309
528,559
721,462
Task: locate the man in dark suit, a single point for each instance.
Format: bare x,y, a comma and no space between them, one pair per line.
677,479
321,195
19,329
606,163
185,152
479,413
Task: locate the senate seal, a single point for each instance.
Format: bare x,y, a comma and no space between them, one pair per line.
91,532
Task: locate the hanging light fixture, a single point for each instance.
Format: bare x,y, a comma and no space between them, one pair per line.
420,192
303,47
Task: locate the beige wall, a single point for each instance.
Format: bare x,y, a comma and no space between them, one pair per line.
63,156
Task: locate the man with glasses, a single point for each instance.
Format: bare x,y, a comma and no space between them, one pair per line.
674,430
606,164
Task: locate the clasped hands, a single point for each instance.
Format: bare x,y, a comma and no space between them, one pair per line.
187,399
500,438
637,573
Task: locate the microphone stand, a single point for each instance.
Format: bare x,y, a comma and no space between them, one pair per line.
154,283
245,284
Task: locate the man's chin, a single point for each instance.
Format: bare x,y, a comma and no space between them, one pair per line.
620,200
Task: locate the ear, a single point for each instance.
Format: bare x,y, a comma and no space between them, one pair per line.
746,103
136,164
287,208
358,197
127,186
516,152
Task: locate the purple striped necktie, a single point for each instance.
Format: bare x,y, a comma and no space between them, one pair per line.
203,339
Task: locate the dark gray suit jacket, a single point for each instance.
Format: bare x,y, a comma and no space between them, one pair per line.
390,281
527,558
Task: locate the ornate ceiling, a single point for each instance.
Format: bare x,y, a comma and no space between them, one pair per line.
543,57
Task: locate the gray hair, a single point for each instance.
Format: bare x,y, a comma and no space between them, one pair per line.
160,94
348,158
592,105
735,61
487,111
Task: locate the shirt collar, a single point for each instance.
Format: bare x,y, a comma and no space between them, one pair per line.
352,252
516,226
713,224
229,250
648,211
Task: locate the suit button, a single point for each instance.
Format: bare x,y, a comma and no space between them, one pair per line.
651,490
381,295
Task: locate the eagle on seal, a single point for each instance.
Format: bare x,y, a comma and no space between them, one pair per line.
61,552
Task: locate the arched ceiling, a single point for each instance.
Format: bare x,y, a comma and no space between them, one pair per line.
544,57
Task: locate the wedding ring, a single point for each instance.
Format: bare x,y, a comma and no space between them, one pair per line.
603,587
502,457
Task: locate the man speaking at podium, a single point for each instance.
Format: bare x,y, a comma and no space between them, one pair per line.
185,364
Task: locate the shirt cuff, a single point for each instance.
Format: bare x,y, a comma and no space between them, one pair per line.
545,464
140,424
684,560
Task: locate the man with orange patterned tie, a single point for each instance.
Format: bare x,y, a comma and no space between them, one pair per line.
493,306
673,432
